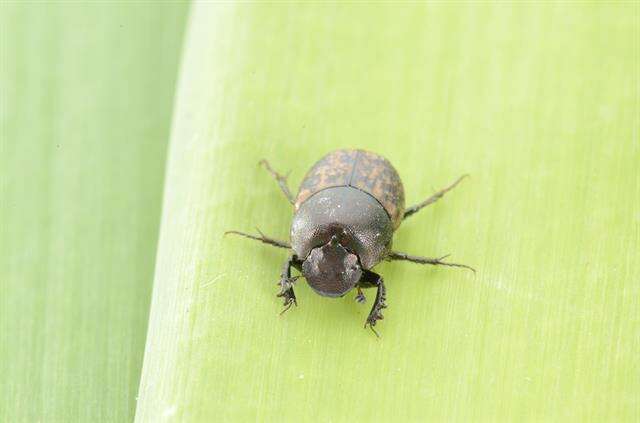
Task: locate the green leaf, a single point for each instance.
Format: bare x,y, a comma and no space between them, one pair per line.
538,102
87,95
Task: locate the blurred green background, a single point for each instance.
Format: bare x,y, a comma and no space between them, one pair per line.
539,102
87,92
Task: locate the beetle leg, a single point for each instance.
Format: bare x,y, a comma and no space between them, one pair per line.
394,255
262,238
435,197
371,279
360,298
286,282
281,179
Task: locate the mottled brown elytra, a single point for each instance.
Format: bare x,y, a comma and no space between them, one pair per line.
347,208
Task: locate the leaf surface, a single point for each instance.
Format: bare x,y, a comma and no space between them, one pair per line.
538,102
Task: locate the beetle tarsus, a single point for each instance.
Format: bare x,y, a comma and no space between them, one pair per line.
360,298
435,197
280,179
394,255
262,238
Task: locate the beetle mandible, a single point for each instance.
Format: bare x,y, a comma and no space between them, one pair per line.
348,206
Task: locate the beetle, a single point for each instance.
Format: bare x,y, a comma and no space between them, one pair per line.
346,211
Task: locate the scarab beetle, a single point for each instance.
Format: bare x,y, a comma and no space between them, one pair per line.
347,208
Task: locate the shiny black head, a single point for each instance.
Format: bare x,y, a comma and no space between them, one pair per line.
331,270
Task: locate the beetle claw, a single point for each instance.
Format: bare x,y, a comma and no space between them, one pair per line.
371,325
375,332
288,305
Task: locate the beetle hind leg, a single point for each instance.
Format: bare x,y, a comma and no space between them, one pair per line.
280,179
435,197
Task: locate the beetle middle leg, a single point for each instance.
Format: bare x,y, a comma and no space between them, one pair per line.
286,282
435,197
262,238
281,179
370,280
394,255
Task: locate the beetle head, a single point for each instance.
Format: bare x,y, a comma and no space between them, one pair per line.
331,270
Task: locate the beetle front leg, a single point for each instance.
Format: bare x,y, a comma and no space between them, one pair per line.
286,282
369,280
